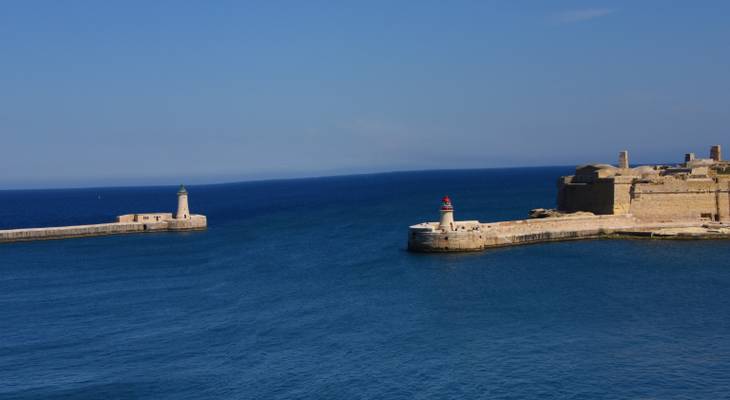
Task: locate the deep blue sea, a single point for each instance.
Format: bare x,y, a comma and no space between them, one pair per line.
303,289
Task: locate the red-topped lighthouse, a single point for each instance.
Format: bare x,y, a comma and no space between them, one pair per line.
447,215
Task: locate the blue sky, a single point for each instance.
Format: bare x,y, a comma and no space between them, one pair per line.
105,93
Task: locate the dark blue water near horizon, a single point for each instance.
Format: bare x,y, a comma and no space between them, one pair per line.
304,289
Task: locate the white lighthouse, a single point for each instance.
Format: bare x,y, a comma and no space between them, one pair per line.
447,215
182,204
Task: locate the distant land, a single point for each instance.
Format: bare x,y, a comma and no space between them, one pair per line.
9,183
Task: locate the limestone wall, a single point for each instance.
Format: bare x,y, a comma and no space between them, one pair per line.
426,237
146,217
676,199
13,235
549,229
596,197
153,217
693,194
446,241
126,218
195,221
723,200
622,188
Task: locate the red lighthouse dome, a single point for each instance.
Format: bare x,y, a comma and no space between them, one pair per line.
446,204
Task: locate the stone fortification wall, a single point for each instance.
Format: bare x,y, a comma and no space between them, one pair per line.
723,199
679,194
678,199
622,187
595,197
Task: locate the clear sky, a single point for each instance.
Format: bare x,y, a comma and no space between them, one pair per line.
106,93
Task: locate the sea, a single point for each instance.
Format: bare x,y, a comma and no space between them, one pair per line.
304,289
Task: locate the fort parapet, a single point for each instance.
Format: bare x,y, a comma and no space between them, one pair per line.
687,200
128,223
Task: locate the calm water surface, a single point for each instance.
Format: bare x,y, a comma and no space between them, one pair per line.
303,289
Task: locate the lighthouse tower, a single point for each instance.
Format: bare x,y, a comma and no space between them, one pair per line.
182,204
447,215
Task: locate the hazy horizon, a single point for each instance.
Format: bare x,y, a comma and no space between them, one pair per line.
136,93
115,182
231,179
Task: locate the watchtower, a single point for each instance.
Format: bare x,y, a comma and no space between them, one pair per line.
716,153
623,159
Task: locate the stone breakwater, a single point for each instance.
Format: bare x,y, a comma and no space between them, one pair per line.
194,222
476,236
182,220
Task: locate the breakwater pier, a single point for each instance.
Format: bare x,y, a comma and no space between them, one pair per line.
476,236
182,220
